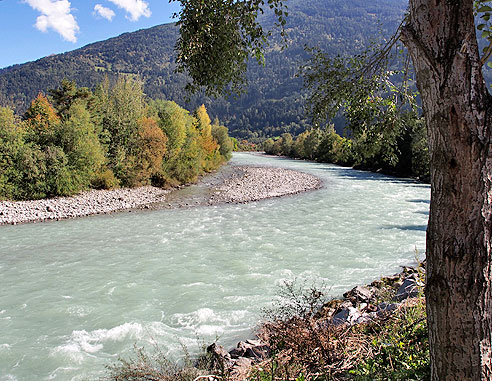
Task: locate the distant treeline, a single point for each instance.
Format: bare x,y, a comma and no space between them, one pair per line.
75,139
405,155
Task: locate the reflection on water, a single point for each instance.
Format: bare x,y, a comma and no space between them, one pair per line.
78,293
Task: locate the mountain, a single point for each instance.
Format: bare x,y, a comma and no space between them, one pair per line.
273,103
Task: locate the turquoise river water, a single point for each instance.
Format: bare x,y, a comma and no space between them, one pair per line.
76,294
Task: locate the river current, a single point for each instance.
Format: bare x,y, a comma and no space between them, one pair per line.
76,294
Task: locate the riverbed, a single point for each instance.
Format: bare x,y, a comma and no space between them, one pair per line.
76,294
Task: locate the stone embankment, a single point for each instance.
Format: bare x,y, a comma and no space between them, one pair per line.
241,184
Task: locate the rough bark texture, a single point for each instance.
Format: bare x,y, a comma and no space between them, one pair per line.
440,35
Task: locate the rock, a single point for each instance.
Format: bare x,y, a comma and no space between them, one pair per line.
346,304
391,279
407,290
371,308
240,369
253,349
220,357
341,317
351,316
359,294
385,308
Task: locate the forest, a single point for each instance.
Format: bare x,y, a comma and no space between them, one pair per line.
273,103
74,139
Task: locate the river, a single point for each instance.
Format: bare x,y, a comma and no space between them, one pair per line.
76,294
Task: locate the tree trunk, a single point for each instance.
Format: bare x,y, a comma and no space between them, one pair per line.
440,36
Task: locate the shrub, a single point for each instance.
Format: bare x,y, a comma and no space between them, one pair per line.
105,179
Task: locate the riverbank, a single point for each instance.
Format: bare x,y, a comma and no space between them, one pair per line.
376,331
236,184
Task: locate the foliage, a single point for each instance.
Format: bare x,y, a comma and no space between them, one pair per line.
218,37
411,153
210,148
63,97
483,10
151,149
11,148
40,121
221,136
121,107
245,146
376,110
104,140
78,140
399,349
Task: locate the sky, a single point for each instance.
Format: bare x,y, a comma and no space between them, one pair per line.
32,29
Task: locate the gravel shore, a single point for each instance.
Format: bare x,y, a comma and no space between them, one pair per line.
258,183
234,184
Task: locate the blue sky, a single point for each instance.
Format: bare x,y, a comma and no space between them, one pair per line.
32,29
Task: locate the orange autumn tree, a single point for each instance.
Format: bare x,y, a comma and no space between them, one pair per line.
40,120
152,144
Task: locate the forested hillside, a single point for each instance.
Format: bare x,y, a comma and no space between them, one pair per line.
271,106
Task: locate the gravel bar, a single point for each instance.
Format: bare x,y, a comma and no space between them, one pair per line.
236,184
85,204
258,183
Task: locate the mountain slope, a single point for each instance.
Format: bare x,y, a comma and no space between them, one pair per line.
273,103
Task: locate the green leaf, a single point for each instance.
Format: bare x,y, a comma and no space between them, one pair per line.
485,8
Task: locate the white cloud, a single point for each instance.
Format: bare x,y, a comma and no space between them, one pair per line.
136,8
56,15
107,13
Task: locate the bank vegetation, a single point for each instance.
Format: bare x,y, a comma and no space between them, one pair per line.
74,139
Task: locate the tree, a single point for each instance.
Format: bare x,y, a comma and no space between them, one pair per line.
120,108
77,137
221,136
67,93
441,38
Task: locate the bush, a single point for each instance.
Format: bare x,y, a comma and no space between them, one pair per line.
105,179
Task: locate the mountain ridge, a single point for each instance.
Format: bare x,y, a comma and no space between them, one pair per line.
273,102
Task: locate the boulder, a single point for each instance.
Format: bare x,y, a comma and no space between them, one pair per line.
253,349
358,294
407,290
341,317
384,309
220,357
240,369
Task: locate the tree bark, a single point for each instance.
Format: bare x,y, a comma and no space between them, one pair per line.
440,36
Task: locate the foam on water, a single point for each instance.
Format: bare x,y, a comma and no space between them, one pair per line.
76,294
